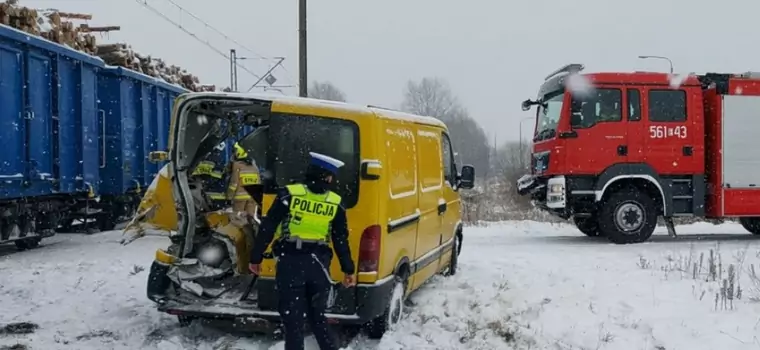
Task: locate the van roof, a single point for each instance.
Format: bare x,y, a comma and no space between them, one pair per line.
312,102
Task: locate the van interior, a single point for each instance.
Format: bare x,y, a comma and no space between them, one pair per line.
280,146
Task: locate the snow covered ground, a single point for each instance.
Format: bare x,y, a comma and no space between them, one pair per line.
522,285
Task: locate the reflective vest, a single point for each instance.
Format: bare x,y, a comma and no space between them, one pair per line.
206,168
310,216
213,179
242,174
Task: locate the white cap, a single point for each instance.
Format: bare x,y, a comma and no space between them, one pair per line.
326,162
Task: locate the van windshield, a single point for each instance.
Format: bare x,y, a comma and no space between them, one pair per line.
292,137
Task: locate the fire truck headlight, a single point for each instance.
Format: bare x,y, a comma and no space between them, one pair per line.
556,188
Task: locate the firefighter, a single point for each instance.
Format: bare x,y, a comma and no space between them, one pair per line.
215,186
304,218
608,109
210,175
243,173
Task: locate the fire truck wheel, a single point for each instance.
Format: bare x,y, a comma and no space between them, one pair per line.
589,226
751,224
628,216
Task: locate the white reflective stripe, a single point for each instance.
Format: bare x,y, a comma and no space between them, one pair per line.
324,269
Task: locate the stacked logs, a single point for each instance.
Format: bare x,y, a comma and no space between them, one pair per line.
122,55
57,27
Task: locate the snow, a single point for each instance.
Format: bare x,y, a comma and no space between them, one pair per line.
311,102
520,285
676,80
407,117
579,85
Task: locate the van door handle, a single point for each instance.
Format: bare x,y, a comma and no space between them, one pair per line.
442,208
622,150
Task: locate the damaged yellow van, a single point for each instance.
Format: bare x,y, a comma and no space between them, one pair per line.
399,184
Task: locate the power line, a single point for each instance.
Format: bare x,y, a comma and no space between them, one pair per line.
145,4
209,26
216,30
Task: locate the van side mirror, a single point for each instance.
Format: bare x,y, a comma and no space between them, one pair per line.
467,177
158,156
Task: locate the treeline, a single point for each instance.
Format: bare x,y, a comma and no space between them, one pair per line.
497,168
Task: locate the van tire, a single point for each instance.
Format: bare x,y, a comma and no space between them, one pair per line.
393,311
185,321
454,262
29,243
628,216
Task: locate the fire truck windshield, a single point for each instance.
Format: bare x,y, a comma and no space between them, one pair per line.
549,110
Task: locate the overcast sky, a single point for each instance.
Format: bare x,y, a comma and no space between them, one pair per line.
493,53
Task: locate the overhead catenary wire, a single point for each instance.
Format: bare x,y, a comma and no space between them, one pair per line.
145,4
209,26
229,38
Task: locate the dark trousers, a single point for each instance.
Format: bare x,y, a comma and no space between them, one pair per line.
303,290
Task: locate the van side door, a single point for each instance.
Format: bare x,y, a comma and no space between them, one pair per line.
402,208
432,217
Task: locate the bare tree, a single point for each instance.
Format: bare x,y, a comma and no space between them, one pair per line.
433,97
326,91
429,97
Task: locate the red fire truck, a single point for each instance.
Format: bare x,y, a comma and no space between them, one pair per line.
627,148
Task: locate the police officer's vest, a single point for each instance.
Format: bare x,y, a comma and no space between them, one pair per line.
310,217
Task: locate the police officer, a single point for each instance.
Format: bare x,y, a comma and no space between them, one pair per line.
305,217
243,173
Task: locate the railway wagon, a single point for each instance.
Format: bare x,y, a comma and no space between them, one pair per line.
136,111
49,133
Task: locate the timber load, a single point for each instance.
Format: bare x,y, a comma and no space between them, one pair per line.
59,27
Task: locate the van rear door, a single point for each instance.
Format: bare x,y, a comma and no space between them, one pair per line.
292,137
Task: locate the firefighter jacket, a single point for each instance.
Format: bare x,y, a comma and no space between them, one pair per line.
242,173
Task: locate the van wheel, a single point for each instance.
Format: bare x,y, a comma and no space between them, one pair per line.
628,216
185,321
454,262
29,243
393,312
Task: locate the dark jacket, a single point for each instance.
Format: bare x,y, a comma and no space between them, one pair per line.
277,214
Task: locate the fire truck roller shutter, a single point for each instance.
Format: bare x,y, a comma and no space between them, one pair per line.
626,172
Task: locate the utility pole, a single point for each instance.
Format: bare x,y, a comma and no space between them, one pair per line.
302,65
233,70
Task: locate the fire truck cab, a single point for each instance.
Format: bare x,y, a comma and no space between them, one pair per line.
615,151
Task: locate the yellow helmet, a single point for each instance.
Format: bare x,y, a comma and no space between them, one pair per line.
240,153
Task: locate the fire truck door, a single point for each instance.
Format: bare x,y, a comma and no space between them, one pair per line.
602,139
669,146
637,131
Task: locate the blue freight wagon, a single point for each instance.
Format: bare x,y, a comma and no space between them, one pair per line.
49,132
136,113
77,135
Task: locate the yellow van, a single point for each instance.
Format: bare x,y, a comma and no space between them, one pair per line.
399,185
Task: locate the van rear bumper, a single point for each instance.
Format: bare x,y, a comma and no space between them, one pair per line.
357,305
